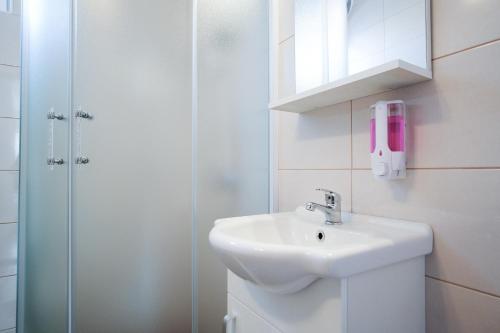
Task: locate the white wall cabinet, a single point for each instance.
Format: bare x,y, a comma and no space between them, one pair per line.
346,49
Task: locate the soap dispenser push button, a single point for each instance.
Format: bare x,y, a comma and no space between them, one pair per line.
380,169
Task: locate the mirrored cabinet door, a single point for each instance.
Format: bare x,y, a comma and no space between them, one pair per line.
335,39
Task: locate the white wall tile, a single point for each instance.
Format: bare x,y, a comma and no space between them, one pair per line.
8,249
9,193
16,7
452,120
309,46
7,302
357,65
286,19
412,51
461,206
10,36
11,330
452,309
364,14
406,25
10,91
461,24
318,139
4,5
286,68
363,44
393,7
298,187
9,144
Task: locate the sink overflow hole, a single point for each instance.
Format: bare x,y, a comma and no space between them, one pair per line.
320,235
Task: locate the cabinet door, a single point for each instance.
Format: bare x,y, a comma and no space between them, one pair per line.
245,321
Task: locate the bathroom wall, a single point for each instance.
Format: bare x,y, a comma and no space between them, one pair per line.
9,162
453,180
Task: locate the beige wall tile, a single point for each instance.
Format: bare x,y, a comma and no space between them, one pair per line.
286,19
452,120
297,187
462,208
461,24
318,139
10,36
452,309
286,68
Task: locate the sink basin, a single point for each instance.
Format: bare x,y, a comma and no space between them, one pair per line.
286,252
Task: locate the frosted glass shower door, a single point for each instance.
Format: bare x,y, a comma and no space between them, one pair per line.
132,200
232,147
44,219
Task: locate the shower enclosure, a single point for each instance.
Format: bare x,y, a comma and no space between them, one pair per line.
142,122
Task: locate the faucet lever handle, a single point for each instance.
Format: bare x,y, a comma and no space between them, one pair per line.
331,198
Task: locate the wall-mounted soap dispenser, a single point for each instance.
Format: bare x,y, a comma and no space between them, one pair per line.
388,139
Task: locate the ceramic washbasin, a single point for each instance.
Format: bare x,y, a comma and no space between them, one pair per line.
286,252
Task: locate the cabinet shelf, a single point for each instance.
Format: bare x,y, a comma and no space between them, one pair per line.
389,76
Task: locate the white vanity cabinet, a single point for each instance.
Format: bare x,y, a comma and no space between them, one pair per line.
389,299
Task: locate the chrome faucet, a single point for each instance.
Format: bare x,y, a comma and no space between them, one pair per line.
332,208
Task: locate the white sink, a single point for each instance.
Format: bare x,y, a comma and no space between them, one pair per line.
282,252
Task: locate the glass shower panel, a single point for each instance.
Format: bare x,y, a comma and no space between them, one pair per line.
44,191
232,167
132,200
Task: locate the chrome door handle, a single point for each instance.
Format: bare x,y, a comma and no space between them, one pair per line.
52,115
55,161
82,160
83,114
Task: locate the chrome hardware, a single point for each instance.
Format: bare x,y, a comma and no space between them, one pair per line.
55,161
83,114
229,323
332,208
52,115
82,160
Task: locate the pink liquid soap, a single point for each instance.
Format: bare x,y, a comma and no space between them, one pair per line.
373,140
396,135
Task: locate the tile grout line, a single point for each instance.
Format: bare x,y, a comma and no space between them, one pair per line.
15,118
463,286
7,276
467,49
456,168
368,169
8,65
352,164
286,39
